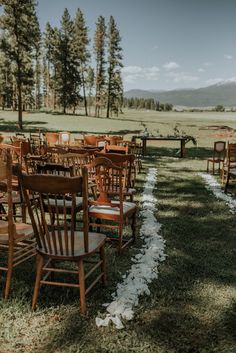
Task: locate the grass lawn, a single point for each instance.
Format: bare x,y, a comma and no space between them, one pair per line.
192,304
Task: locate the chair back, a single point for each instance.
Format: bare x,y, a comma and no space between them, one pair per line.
6,181
64,138
52,138
124,161
116,149
231,155
52,208
109,182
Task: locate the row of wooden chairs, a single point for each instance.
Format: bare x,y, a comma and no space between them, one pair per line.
55,200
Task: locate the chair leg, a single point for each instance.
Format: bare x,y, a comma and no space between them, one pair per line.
103,265
82,287
39,266
9,272
120,241
133,226
207,166
213,168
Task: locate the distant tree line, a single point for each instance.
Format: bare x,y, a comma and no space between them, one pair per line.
52,70
148,103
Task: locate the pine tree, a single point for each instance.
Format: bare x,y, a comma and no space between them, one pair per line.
17,23
6,82
80,47
67,75
99,49
51,44
114,66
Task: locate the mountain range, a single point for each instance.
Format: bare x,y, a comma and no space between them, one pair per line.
222,93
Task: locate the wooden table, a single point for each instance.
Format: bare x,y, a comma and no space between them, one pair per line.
183,140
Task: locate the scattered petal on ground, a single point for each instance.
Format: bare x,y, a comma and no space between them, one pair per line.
214,186
144,268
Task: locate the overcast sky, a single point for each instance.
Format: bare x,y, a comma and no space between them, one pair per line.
167,44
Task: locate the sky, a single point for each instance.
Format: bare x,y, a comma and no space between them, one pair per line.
167,44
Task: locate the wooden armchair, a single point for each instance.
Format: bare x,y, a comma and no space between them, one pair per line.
59,241
110,206
218,156
16,239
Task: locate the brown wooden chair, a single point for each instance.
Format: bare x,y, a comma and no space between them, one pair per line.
126,162
116,149
51,138
59,241
218,156
229,166
110,206
16,239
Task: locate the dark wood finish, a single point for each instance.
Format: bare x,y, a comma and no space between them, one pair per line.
229,166
164,138
16,239
218,156
58,238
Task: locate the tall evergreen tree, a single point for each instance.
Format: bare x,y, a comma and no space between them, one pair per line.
67,75
17,22
80,47
99,49
51,45
114,85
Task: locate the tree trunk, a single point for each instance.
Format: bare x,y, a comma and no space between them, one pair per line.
84,94
20,122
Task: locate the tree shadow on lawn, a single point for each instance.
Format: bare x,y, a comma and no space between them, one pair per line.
191,152
12,126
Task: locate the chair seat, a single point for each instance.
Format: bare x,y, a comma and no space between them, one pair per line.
23,231
127,207
95,241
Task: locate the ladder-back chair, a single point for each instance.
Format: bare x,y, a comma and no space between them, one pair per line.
229,166
58,240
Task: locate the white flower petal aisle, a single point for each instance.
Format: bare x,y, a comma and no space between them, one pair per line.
144,268
214,186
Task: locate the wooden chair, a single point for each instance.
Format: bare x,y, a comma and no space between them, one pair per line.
36,142
64,138
229,166
51,138
109,206
126,162
116,149
16,239
60,241
218,156
114,140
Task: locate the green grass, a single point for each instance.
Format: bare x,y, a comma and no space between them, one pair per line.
192,306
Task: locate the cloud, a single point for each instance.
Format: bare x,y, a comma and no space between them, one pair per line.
181,77
171,66
228,57
201,70
133,73
213,81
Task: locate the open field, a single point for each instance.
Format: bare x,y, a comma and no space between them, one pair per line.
204,126
192,306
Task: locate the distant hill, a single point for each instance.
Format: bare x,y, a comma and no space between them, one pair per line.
223,93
